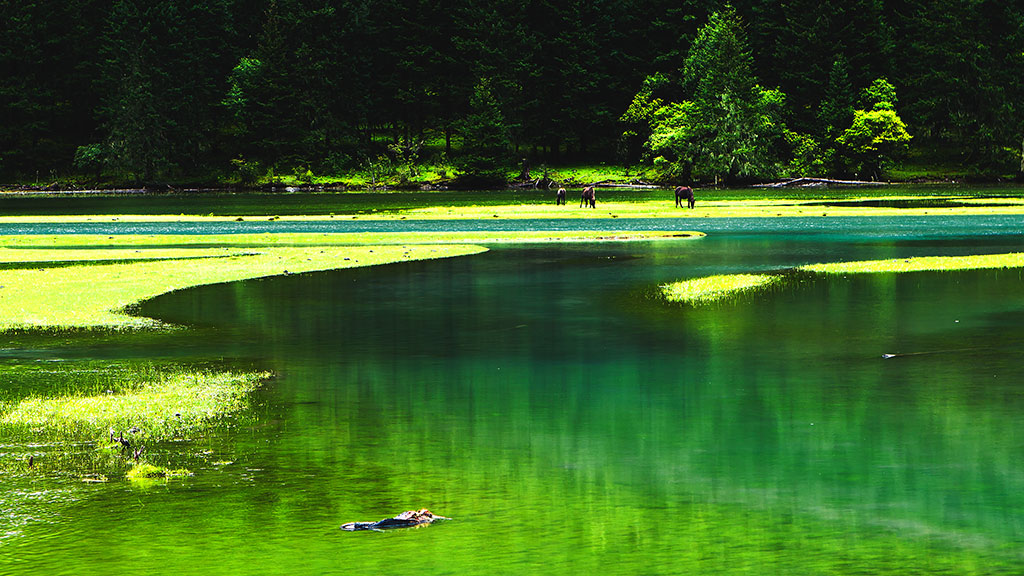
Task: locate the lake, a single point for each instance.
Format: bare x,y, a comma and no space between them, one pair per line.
569,421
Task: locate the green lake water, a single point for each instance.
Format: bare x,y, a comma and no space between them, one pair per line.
571,423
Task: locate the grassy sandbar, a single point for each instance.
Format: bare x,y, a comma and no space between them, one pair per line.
714,288
920,264
97,295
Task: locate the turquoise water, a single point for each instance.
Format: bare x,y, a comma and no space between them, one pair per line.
569,422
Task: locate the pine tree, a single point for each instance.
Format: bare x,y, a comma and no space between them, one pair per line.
486,141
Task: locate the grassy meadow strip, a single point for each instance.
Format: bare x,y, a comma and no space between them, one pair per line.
715,288
97,295
749,203
10,256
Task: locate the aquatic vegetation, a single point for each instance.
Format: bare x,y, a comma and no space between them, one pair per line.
144,471
714,288
173,405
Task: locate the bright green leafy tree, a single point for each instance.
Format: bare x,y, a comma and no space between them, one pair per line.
878,136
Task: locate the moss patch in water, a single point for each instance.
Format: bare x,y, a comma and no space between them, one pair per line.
145,472
171,406
714,288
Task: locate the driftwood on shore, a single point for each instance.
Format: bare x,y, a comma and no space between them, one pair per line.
547,183
634,184
808,182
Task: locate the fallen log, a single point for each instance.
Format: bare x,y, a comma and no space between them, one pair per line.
801,182
614,184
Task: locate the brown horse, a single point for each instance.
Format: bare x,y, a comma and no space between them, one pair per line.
684,192
588,197
560,196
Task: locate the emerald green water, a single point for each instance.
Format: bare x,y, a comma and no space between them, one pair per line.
570,423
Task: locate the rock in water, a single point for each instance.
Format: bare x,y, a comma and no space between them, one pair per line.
406,519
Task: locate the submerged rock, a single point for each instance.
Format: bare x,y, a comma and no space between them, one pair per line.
406,519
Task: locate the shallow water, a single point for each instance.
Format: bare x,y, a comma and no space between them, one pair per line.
568,422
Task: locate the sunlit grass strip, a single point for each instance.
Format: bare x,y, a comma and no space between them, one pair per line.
920,264
112,254
170,406
713,288
66,247
94,296
794,205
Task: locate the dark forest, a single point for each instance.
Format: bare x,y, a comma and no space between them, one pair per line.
165,90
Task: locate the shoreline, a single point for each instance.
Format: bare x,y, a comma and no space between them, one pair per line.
754,208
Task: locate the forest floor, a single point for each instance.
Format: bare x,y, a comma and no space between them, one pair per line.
433,176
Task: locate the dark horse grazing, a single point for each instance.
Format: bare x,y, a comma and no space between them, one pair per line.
560,196
588,197
406,519
684,192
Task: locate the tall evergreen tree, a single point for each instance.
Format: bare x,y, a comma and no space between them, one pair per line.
48,56
962,73
731,128
836,108
485,136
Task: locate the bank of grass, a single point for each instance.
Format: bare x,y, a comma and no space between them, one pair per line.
100,295
621,207
918,200
700,291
